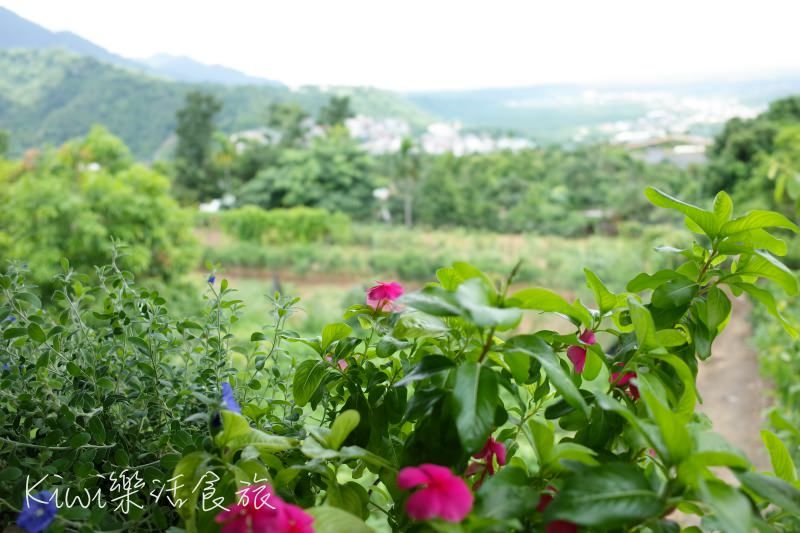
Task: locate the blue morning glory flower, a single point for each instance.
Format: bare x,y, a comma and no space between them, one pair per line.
35,515
6,367
212,278
11,318
228,399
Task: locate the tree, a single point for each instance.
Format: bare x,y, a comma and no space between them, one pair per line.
408,167
60,205
289,121
195,177
333,173
5,141
335,112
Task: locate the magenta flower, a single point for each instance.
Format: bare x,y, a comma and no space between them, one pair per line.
624,382
442,495
577,354
491,450
556,526
383,294
259,509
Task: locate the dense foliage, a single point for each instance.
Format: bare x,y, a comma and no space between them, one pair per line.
72,202
439,410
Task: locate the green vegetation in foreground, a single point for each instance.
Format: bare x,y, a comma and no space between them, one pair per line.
523,428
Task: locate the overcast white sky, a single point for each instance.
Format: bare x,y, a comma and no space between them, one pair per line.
440,44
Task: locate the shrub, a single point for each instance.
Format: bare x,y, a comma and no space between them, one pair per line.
74,202
278,226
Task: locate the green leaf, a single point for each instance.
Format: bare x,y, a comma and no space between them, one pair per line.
773,490
723,208
605,299
344,424
537,348
333,520
779,456
475,396
764,265
644,281
507,494
731,507
607,496
307,378
36,333
548,301
768,301
642,324
233,425
544,440
675,293
748,241
389,345
434,301
10,473
334,332
427,367
185,476
758,220
475,297
671,426
707,221
80,439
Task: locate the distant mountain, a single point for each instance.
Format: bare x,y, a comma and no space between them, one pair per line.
187,69
18,32
50,96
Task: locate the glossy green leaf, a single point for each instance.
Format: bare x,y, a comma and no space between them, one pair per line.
779,456
607,496
707,221
537,348
307,378
329,519
427,367
475,397
758,219
344,424
545,300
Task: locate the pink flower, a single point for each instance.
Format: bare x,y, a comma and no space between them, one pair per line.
577,354
443,494
556,526
341,363
491,450
259,509
383,294
624,383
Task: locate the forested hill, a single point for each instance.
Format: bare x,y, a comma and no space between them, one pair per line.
50,96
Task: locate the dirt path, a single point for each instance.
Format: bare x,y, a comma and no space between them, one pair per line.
732,389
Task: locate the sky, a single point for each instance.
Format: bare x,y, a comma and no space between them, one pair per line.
445,44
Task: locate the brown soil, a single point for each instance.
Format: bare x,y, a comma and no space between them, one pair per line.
734,395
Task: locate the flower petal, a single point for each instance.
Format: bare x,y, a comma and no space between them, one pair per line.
410,477
577,355
423,505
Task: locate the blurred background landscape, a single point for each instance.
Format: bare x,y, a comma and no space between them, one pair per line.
321,189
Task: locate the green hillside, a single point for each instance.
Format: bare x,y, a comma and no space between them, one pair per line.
50,96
